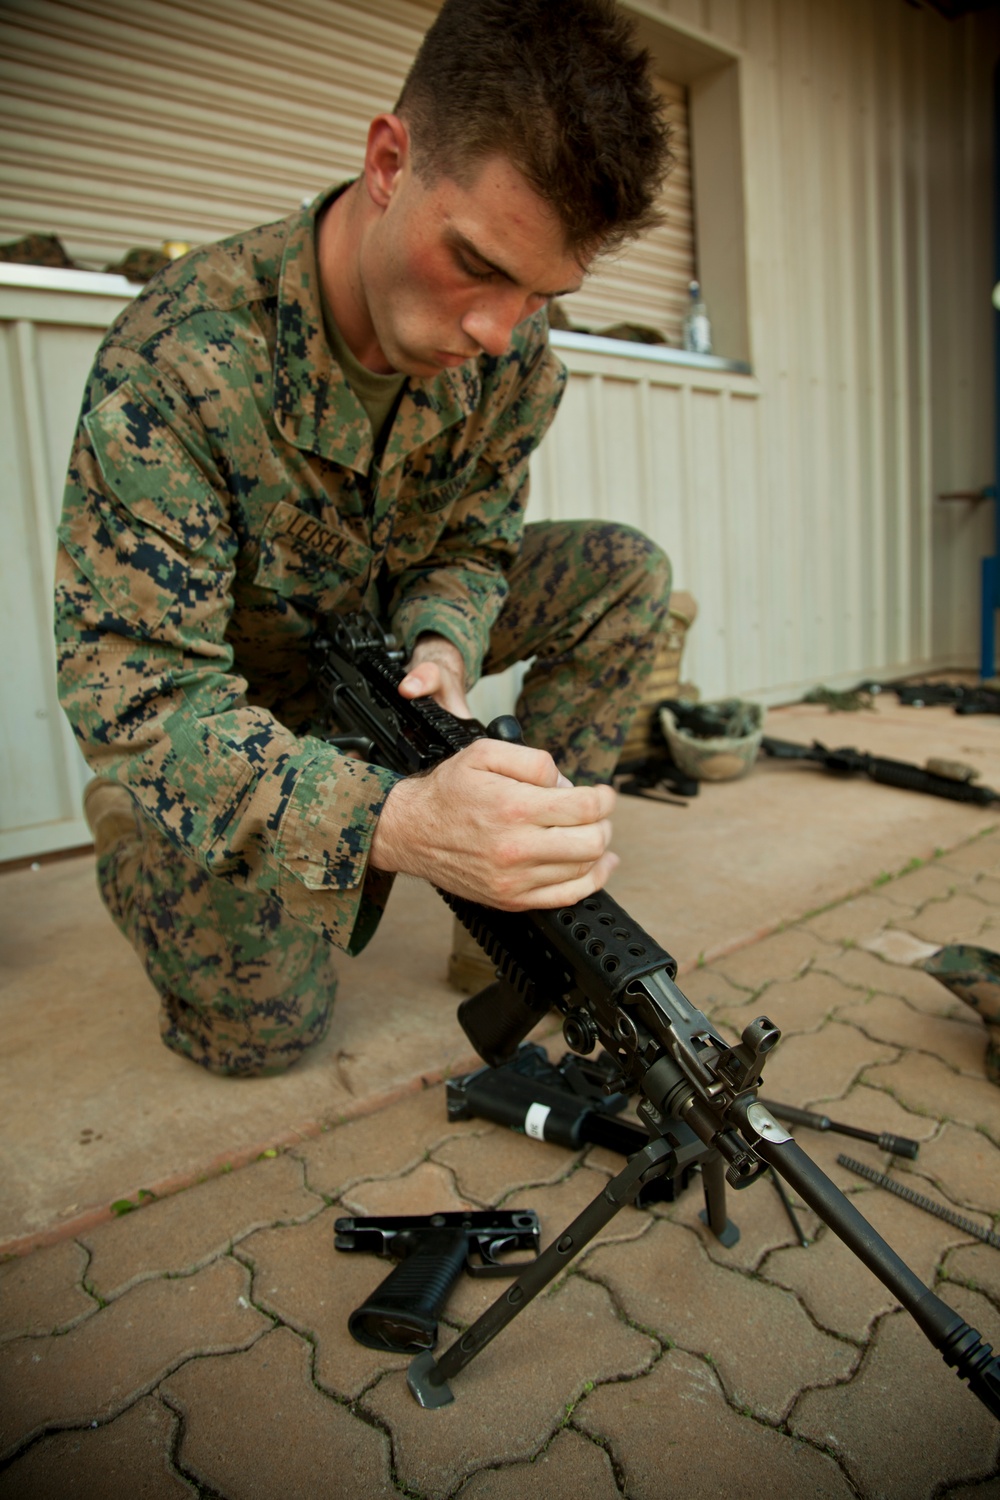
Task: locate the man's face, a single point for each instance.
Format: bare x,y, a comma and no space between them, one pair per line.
448,271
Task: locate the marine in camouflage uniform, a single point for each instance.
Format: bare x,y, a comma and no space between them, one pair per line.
225,493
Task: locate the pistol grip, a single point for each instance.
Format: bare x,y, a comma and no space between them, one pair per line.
496,1020
401,1314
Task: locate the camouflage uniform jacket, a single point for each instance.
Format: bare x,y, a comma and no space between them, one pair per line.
223,491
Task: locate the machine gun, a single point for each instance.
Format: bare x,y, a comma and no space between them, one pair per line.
614,985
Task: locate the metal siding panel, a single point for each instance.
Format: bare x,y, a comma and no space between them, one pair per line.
668,521
229,119
623,442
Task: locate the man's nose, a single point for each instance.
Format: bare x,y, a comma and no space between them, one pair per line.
491,323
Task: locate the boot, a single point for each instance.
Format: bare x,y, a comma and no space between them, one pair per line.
469,969
110,813
973,974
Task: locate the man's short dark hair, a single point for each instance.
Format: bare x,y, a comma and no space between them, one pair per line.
562,90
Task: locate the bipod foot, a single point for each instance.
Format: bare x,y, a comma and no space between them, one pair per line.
727,1236
427,1383
428,1378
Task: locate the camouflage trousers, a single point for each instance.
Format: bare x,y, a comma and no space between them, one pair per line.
244,989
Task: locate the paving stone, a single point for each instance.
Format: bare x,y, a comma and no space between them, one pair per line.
795,1006
936,881
428,1189
963,1167
710,990
782,956
864,1108
976,1265
304,1281
837,1288
104,1363
871,974
673,1433
960,1043
929,1087
384,1144
490,1167
757,1213
514,1395
41,1292
822,1065
128,1457
990,1490
975,858
180,1233
906,1425
255,1427
898,947
557,1206
854,920
760,1340
570,1467
959,919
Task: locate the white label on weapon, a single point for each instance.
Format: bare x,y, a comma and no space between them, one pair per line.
534,1121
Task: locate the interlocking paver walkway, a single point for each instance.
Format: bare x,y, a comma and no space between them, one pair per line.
198,1345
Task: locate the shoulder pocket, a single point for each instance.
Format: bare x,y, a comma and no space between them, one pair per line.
149,470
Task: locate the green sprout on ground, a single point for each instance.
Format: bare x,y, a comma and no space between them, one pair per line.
123,1206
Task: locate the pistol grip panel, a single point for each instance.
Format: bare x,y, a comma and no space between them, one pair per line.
402,1313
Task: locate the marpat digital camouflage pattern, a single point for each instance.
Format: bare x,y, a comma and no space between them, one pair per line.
223,494
973,974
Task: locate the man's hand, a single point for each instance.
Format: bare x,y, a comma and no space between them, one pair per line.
437,671
498,824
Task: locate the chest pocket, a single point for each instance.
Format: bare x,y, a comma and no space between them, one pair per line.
418,491
307,562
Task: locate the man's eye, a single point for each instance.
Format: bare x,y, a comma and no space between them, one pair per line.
475,272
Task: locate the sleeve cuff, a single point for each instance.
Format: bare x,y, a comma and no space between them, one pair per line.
323,845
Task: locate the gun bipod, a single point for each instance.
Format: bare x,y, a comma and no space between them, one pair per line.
428,1377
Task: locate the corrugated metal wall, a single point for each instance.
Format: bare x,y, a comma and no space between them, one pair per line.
136,121
131,122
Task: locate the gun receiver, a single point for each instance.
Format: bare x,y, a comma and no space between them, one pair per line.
402,1313
571,1104
614,984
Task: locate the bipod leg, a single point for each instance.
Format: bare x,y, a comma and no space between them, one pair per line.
713,1176
428,1378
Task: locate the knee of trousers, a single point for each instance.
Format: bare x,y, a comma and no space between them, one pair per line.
254,989
244,989
253,1037
644,561
636,580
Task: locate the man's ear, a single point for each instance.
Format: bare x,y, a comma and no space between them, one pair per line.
386,155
